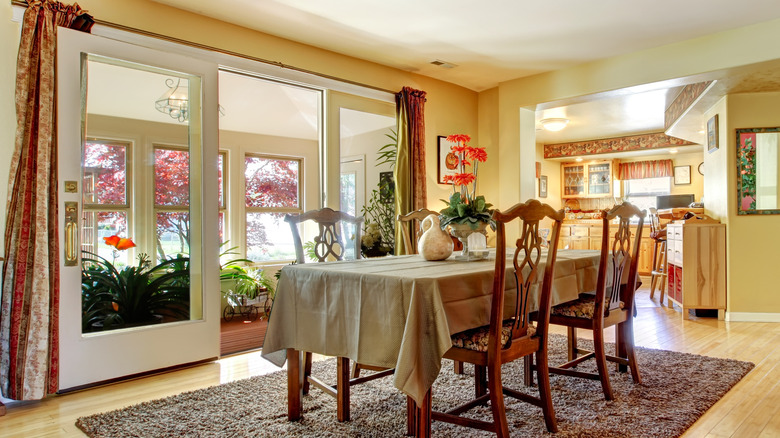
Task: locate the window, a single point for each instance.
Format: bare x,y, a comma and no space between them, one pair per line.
106,206
273,189
172,200
643,192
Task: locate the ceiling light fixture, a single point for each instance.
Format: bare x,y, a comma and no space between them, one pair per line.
175,102
579,160
554,124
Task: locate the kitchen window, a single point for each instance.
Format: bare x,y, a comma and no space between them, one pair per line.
643,192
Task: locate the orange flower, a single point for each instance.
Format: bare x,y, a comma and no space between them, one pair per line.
459,138
115,306
477,153
119,243
458,148
462,179
447,179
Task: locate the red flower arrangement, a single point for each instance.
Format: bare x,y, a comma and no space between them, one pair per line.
464,205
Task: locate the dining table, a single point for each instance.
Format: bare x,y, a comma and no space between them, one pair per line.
396,311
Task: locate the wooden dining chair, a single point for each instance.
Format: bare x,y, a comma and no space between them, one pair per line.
612,304
415,218
329,245
506,340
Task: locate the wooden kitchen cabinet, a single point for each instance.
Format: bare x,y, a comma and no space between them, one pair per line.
696,267
587,180
589,236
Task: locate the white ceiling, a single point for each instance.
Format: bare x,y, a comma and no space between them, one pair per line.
508,40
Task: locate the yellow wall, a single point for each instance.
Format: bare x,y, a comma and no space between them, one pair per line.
752,240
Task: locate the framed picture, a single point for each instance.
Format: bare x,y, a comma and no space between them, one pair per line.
543,186
712,134
448,161
682,175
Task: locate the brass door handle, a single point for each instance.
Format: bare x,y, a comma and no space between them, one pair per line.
71,233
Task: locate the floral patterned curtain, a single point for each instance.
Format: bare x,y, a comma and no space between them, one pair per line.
645,169
29,317
409,173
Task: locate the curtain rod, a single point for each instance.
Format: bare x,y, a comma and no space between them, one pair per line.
279,64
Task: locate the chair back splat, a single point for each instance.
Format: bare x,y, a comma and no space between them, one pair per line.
328,243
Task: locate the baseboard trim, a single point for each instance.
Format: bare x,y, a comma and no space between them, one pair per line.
752,317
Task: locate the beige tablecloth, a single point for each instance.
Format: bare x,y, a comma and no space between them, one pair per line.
397,312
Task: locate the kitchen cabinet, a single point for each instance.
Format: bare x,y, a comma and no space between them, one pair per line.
587,180
696,267
589,236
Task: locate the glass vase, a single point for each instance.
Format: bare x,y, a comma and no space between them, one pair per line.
462,233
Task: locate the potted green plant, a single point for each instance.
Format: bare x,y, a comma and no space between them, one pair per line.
242,285
135,295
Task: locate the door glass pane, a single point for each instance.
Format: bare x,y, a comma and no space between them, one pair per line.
348,193
135,263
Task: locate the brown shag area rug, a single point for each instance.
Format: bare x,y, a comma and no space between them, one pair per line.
676,389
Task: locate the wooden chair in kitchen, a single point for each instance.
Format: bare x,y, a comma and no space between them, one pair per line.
659,267
506,340
329,245
612,304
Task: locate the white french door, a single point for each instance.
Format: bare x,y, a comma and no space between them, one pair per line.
137,136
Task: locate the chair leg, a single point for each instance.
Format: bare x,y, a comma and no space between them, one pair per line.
528,375
497,406
458,366
665,268
572,335
355,370
480,380
601,362
543,374
306,372
626,330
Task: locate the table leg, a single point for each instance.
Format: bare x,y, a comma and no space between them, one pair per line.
423,417
342,389
294,385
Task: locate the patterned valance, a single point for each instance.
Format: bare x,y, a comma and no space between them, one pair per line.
645,169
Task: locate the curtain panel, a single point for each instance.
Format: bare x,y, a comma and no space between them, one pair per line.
29,317
409,173
645,169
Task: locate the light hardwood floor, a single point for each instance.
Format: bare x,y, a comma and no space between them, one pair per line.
750,409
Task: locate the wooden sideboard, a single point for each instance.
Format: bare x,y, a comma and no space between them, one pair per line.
696,275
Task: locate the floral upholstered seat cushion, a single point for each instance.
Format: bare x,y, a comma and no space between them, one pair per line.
583,307
477,339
